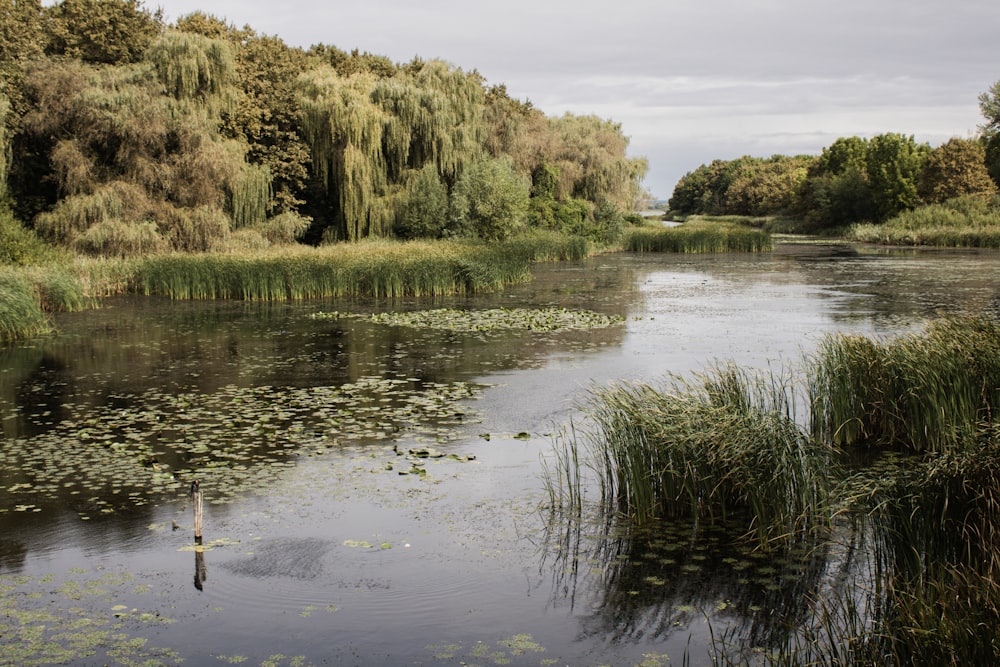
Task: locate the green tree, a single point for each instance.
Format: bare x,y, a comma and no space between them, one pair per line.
101,31
836,191
490,200
893,168
989,105
425,214
954,169
21,41
267,116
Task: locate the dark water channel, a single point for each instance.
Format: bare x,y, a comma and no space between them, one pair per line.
326,542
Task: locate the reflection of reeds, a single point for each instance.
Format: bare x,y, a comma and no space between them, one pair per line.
699,237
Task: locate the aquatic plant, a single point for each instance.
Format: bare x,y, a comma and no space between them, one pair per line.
698,237
972,221
926,391
729,447
21,313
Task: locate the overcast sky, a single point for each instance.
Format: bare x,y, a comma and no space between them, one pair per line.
689,80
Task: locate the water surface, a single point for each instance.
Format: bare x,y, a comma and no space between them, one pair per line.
327,543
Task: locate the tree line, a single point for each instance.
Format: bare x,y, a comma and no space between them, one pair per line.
122,135
853,180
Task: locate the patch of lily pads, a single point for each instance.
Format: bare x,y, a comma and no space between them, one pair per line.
235,441
489,320
76,621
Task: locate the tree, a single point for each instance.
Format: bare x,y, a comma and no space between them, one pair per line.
101,31
956,168
490,200
21,41
267,116
989,105
425,214
893,168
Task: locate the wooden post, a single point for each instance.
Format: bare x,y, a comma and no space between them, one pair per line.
196,501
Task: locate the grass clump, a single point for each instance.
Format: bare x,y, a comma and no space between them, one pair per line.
926,391
375,268
21,314
723,449
698,236
27,294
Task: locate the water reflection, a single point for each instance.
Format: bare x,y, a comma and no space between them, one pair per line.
665,579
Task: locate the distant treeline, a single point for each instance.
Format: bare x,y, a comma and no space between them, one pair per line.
854,179
122,135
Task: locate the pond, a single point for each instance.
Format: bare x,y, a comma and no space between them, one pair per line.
374,485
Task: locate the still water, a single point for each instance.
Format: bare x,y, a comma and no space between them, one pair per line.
374,492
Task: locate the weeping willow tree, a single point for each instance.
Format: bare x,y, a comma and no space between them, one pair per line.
369,136
4,144
193,66
590,155
137,153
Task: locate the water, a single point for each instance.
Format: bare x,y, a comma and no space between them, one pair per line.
319,550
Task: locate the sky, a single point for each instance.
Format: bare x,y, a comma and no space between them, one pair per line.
690,81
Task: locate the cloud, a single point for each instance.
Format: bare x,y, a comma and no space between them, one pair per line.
732,77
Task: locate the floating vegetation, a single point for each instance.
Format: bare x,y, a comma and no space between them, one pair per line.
78,622
502,652
234,441
494,319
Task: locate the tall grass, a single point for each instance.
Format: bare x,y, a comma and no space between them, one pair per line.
728,448
926,391
378,268
698,237
965,222
28,293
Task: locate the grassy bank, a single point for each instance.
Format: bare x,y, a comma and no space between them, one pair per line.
698,236
966,222
28,293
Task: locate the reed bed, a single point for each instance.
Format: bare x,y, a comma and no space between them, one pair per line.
27,293
927,391
924,586
378,269
726,448
699,236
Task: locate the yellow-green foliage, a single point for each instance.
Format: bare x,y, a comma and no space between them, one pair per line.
27,293
21,313
4,144
367,135
375,268
972,221
698,237
191,65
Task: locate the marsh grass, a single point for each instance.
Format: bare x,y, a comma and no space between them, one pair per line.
28,293
726,448
921,565
698,236
376,268
965,222
926,391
